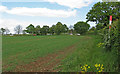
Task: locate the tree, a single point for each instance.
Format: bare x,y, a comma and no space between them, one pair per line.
7,30
24,31
45,30
101,11
37,30
71,29
2,30
52,29
65,28
81,27
18,29
99,26
58,28
30,29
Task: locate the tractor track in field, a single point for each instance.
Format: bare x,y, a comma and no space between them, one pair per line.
47,63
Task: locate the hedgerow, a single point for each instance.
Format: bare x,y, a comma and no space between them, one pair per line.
111,40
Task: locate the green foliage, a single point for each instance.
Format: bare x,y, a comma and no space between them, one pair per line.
44,30
0,31
111,40
92,29
81,27
111,37
87,52
37,30
30,29
52,29
65,28
99,26
24,31
101,11
58,28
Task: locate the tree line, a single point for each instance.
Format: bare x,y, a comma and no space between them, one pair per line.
99,13
80,27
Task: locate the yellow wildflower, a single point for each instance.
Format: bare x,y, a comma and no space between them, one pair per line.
99,65
99,71
85,69
97,68
102,64
96,65
88,66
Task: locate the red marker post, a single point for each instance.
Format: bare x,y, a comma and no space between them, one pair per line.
110,22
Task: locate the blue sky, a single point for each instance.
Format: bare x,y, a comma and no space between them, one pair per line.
44,12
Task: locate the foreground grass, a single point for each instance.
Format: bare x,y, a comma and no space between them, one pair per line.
88,53
24,49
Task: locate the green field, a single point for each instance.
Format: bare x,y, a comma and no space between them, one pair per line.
68,53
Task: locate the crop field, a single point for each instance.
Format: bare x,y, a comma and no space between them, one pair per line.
62,53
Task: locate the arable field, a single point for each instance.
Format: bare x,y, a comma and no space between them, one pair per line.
63,53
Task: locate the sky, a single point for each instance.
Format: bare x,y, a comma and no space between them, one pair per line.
43,12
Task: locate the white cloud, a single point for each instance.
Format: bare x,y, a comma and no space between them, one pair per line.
12,23
75,3
34,0
72,3
38,12
3,9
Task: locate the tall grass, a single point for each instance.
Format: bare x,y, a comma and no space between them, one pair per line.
88,53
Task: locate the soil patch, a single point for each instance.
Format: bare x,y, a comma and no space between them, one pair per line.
47,63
